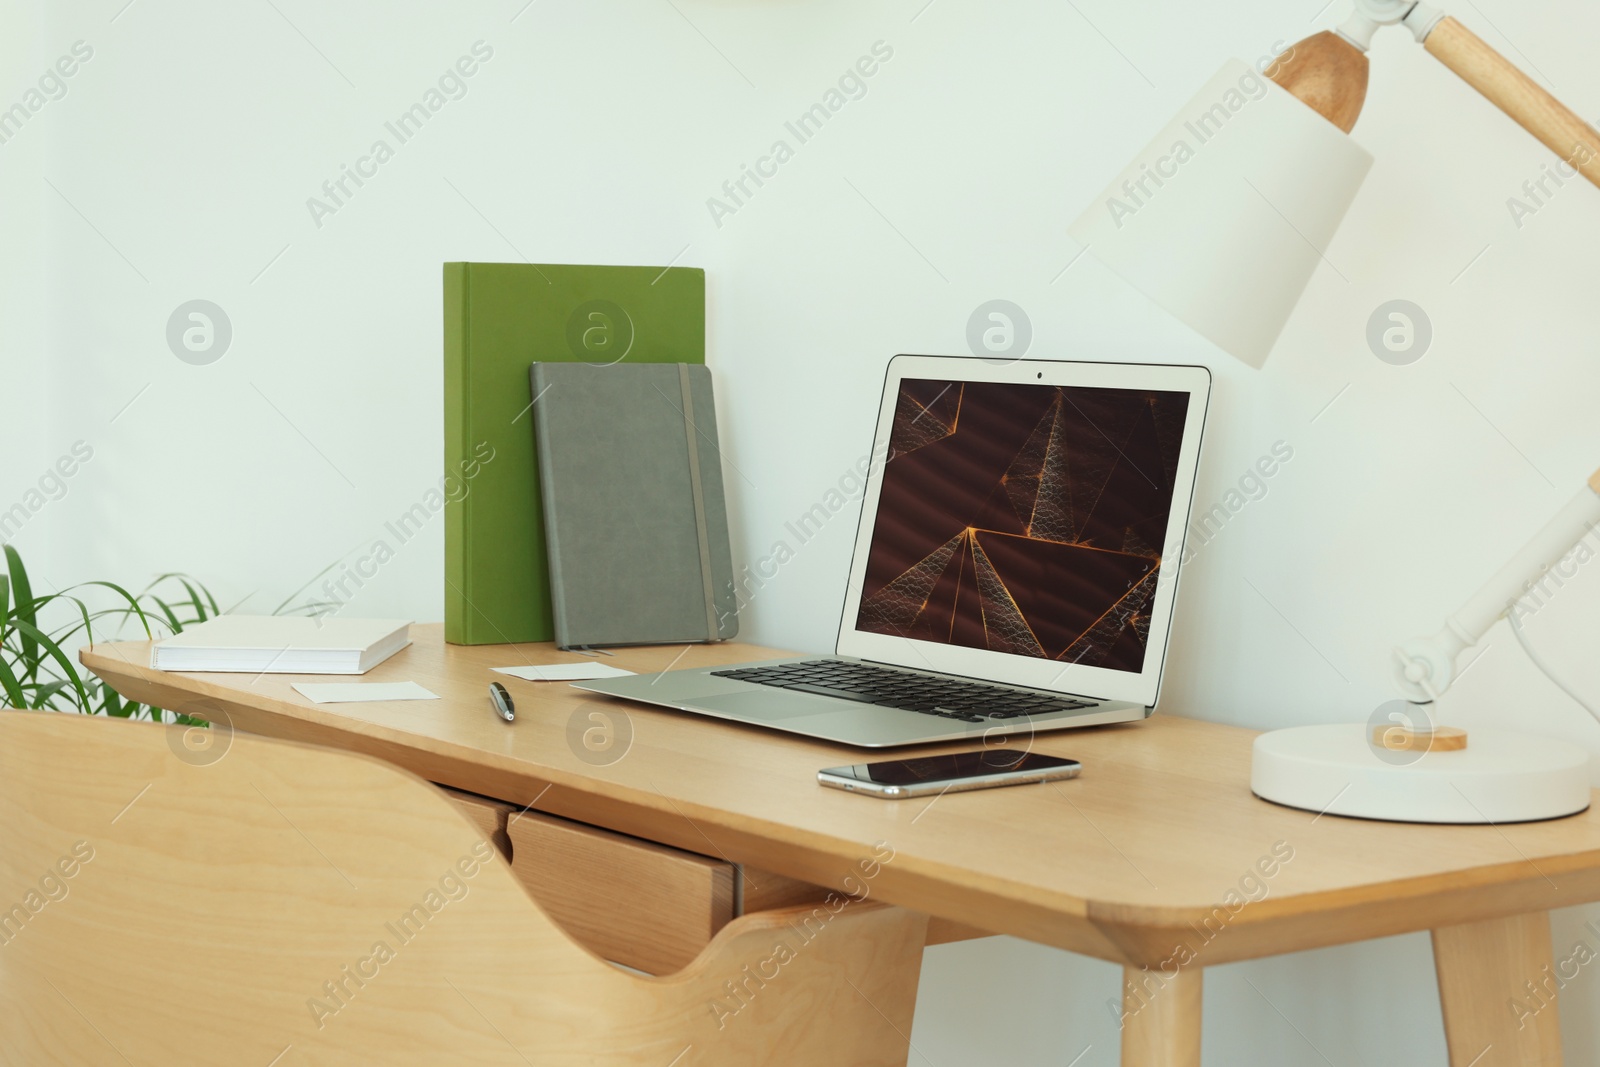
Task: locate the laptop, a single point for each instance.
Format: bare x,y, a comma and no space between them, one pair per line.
1015,564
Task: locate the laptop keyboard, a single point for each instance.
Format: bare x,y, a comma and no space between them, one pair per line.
866,683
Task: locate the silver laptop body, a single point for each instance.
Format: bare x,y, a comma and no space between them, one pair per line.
1015,566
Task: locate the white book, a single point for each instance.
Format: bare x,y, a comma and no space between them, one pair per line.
282,644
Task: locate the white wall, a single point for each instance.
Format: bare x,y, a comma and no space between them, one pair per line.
25,378
185,150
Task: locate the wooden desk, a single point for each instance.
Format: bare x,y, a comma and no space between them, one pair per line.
1157,858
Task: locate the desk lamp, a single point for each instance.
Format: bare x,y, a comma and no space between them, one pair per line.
1222,220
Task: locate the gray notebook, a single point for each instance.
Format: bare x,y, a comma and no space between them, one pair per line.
636,523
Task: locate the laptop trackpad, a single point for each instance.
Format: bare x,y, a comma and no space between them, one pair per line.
765,706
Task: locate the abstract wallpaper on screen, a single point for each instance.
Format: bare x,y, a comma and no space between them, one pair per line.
1026,519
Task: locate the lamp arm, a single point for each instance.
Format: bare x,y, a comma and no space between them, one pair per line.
1425,666
1508,89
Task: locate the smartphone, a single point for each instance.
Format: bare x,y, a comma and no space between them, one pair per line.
989,769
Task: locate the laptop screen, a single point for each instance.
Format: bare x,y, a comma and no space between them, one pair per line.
1026,519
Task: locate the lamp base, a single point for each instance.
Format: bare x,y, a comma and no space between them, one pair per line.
1501,777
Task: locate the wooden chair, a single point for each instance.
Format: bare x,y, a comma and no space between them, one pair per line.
287,905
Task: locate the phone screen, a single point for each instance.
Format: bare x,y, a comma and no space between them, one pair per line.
958,767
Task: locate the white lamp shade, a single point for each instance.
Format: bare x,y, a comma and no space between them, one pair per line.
1225,215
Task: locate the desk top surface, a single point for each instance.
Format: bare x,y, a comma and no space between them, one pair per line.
1158,846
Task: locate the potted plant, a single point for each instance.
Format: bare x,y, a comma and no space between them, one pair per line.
39,636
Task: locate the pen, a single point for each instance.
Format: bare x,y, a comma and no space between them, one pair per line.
500,700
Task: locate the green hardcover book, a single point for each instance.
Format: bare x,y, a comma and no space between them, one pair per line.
499,319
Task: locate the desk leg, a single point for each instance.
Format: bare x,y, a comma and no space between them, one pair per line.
1483,973
1161,1025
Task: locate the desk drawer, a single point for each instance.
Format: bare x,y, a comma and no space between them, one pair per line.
489,816
634,902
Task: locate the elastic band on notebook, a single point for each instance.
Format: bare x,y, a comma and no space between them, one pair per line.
700,528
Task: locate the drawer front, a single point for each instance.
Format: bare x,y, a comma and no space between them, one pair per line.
762,890
633,902
489,816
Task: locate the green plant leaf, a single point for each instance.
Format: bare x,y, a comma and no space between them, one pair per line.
12,686
111,700
44,692
53,650
132,608
172,618
191,584
158,579
60,637
5,615
194,598
25,610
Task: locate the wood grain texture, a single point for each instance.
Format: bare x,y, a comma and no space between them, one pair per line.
1161,1018
1158,847
1518,95
763,890
488,815
1498,992
1326,73
945,932
1402,739
637,903
289,905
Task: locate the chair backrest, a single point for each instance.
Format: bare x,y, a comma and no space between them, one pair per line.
285,904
